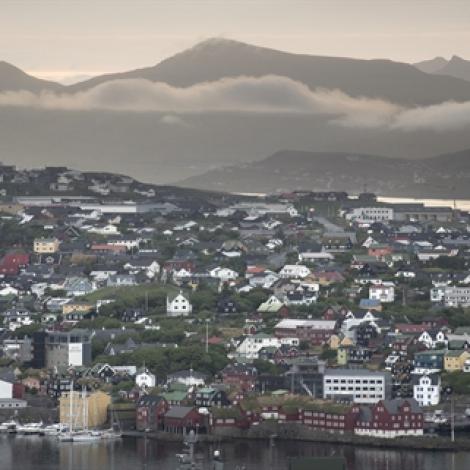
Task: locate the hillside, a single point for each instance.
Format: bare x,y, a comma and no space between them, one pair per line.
293,170
14,79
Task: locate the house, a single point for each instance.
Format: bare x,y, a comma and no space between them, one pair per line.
353,355
145,379
455,360
208,397
429,361
11,263
379,250
273,305
121,280
316,332
224,274
46,245
178,305
77,286
251,345
390,419
426,389
226,305
189,378
150,412
240,376
294,271
384,293
182,419
357,385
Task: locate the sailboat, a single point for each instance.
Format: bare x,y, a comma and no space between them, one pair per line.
112,433
67,436
86,435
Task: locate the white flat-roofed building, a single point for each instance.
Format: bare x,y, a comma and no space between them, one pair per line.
457,297
357,385
316,332
370,214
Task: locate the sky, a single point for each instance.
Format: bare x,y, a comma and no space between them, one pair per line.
68,40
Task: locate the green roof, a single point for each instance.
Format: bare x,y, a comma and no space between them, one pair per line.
174,396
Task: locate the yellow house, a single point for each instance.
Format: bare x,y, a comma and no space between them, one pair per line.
46,245
455,360
334,342
89,410
77,306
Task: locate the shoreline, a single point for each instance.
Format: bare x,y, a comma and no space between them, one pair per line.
292,432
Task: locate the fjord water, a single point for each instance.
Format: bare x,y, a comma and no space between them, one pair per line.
37,453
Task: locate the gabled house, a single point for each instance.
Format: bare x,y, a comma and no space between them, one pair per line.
426,389
208,397
178,305
150,412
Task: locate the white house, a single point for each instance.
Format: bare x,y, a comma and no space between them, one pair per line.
224,274
432,340
145,379
178,306
437,294
384,293
104,230
294,271
312,256
427,389
250,347
6,389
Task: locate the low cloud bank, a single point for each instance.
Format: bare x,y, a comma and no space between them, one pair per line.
268,94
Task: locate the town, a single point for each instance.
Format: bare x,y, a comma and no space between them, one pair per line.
166,310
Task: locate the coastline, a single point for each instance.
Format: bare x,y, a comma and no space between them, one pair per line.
300,433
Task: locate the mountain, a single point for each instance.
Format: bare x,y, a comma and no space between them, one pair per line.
14,79
431,65
293,170
455,67
215,59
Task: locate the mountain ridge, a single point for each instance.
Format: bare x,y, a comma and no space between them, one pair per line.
289,170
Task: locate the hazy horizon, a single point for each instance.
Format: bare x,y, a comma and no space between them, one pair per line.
71,41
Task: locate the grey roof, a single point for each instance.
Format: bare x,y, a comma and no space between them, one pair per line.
178,411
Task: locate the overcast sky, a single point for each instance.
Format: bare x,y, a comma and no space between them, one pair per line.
67,39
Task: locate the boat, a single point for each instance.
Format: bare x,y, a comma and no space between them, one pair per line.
86,436
54,429
81,435
109,434
9,426
29,428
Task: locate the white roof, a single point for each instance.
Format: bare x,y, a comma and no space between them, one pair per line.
293,323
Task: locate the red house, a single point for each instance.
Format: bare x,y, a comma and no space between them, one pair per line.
150,411
331,418
11,263
379,250
182,419
240,376
390,418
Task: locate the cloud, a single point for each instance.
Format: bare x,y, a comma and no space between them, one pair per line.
267,94
442,117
